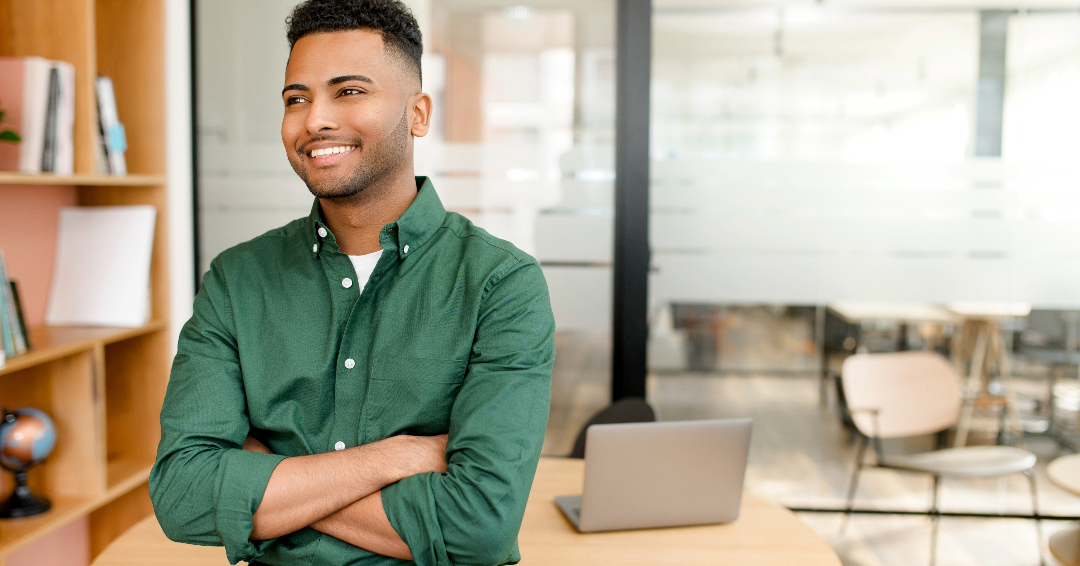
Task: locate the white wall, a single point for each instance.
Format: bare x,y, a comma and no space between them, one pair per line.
178,161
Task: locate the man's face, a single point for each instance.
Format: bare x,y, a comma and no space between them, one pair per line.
347,122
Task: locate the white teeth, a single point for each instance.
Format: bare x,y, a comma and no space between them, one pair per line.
332,150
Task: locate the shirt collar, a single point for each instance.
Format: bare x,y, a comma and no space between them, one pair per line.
405,235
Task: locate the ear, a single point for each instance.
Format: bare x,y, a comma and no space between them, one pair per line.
419,114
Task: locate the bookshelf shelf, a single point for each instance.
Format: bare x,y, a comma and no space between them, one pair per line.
89,180
103,387
55,342
17,534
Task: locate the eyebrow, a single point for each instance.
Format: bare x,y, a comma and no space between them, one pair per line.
331,82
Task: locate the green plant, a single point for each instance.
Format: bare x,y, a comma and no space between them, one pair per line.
8,135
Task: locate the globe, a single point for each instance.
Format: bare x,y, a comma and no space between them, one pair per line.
27,436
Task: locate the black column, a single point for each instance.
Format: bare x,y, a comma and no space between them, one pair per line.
631,262
193,28
990,101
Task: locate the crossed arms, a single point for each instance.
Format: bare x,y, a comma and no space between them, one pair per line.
457,498
339,493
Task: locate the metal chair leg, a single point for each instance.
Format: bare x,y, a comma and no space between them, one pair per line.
1035,511
934,518
860,453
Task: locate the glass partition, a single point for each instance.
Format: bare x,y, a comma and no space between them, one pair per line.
804,157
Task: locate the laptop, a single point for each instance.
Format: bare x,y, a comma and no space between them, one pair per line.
660,474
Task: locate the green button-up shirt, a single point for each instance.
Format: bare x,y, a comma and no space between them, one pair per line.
453,333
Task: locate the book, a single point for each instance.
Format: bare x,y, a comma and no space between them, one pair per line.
38,99
48,153
114,139
19,314
7,337
64,120
13,321
24,96
101,274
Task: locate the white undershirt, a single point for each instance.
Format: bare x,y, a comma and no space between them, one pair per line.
364,265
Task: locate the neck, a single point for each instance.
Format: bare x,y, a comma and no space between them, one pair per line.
357,220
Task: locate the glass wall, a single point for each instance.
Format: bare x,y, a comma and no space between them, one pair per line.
818,154
525,112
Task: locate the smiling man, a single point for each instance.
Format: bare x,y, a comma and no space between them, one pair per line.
368,384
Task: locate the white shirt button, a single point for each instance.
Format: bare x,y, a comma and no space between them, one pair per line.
322,232
350,363
405,249
346,282
315,248
339,446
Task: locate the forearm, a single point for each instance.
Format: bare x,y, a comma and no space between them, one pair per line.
364,524
304,489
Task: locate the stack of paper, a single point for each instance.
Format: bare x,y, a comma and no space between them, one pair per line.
102,272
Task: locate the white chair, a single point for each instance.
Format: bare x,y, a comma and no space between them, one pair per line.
906,394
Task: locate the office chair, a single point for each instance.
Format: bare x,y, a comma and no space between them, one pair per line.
904,394
628,410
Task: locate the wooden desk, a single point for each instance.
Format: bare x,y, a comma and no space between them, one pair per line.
1065,473
856,312
765,534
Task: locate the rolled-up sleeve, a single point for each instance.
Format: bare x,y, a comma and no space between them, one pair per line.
204,487
471,514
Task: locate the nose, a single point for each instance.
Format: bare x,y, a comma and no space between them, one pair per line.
320,117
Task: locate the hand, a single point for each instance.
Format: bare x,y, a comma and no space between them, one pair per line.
252,445
413,455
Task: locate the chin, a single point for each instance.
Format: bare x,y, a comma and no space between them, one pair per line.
333,189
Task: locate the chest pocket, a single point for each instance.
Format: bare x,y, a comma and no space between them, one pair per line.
409,395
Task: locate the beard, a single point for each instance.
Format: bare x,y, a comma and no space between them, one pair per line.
382,158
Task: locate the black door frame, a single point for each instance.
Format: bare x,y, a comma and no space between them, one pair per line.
630,279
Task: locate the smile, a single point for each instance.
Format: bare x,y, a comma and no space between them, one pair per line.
330,151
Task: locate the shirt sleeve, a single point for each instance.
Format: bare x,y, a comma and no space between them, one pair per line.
204,487
471,514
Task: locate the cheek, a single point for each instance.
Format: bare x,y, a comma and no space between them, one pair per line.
291,126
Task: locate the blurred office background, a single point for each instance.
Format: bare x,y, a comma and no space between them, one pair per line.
808,159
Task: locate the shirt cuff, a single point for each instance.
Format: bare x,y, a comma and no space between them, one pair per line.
410,507
241,481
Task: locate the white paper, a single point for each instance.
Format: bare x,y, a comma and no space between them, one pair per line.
101,276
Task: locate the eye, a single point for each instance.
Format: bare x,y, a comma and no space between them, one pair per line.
350,91
291,100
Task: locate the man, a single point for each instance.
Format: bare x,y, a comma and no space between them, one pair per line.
371,383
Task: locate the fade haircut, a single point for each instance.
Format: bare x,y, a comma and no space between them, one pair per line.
391,18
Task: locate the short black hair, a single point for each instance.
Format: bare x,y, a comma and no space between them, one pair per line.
393,19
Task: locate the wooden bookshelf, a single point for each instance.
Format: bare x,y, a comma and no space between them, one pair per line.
91,180
103,387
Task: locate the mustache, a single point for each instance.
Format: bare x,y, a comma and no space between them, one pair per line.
302,148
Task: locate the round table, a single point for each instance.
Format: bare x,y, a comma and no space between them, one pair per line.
764,535
1065,473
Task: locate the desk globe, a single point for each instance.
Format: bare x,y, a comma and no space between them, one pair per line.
27,437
